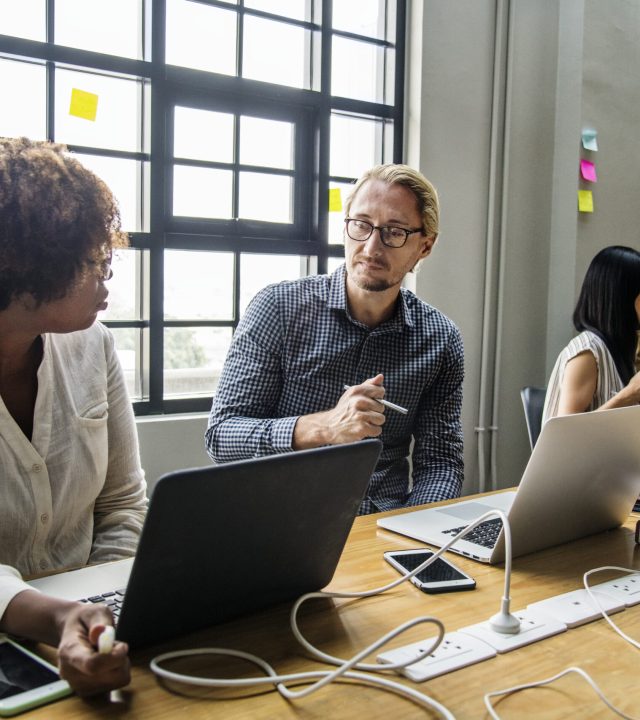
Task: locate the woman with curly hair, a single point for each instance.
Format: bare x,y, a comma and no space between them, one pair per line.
596,371
72,491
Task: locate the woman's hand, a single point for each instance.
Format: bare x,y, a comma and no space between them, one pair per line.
80,663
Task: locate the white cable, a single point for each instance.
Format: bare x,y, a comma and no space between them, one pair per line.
547,681
603,612
345,667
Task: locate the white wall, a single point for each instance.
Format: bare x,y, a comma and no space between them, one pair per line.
171,443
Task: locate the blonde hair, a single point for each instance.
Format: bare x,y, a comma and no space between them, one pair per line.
424,192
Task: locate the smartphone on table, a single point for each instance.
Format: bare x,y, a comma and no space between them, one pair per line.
26,680
440,576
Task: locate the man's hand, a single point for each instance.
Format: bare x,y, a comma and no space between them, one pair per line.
356,416
80,663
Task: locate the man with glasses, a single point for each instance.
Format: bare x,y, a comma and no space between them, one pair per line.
312,359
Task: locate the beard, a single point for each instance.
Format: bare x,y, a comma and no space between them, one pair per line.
372,285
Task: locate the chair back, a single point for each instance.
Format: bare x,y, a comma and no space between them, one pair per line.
533,403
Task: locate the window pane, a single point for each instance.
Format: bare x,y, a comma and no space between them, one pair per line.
258,271
201,37
193,359
265,197
105,26
129,346
296,9
202,192
124,287
274,52
117,124
24,19
203,135
357,70
124,177
363,17
268,143
334,263
24,100
198,285
336,217
355,145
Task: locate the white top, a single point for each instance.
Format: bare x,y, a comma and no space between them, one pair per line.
76,493
608,382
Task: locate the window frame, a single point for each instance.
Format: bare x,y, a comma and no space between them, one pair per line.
164,87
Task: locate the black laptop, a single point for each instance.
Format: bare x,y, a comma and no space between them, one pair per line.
222,541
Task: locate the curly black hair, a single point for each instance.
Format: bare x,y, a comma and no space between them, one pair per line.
57,219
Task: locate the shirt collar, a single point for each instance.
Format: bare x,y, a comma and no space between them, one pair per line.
338,301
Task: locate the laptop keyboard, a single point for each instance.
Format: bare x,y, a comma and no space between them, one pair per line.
112,598
486,534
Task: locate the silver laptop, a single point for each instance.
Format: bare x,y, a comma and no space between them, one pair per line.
226,540
583,477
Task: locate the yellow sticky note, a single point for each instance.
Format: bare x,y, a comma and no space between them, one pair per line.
335,200
585,201
83,104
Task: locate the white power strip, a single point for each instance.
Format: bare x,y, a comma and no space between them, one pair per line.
475,643
454,652
533,627
626,588
577,608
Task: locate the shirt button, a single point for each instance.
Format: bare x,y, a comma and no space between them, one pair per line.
44,518
43,564
36,467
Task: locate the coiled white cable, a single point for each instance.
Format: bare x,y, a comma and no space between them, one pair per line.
344,667
548,681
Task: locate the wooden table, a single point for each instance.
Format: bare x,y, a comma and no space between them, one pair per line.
344,627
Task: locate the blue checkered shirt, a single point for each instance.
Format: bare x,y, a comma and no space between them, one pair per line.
297,346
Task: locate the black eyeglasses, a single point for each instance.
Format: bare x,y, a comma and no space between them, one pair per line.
391,236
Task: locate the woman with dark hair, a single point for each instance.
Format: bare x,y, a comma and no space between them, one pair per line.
596,371
72,491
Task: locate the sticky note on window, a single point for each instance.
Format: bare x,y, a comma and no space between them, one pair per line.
588,170
335,200
590,139
83,104
585,201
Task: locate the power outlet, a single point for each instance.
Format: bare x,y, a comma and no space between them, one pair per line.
576,607
534,626
626,589
454,652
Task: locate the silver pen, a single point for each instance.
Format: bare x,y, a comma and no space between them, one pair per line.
386,403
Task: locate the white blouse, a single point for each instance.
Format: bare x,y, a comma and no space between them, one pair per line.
74,494
608,383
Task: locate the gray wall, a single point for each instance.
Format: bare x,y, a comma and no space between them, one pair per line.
499,92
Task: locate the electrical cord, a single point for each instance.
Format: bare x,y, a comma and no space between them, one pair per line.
603,612
548,681
579,671
345,668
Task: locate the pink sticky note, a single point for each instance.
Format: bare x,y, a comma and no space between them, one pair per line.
588,170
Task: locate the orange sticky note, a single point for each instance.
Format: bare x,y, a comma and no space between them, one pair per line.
585,201
83,104
335,200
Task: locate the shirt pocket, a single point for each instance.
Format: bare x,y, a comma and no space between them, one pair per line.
95,415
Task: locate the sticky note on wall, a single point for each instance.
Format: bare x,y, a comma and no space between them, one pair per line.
335,200
585,201
83,104
588,170
590,139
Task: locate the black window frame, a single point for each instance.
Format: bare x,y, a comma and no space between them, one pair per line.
168,86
